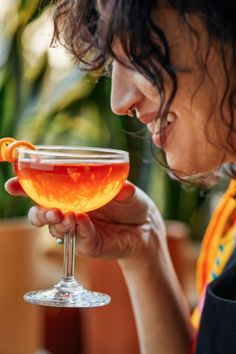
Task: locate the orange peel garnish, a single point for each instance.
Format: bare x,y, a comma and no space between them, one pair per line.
4,142
8,148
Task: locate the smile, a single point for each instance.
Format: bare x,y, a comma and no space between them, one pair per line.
156,126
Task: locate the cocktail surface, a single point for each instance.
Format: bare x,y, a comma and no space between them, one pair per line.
68,186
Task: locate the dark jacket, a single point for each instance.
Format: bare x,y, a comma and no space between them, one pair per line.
217,334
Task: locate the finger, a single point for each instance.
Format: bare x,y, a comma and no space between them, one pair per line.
13,187
126,193
84,226
67,223
88,241
39,216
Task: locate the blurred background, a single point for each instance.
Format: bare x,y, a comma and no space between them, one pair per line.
47,100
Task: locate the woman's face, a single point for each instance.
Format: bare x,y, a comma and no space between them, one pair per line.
196,106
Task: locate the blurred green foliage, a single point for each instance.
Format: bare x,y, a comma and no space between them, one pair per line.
48,104
37,106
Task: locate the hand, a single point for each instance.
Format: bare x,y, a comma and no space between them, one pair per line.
127,227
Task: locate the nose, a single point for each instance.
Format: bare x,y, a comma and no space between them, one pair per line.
124,92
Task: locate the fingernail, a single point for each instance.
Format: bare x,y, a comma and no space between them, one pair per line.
66,221
50,216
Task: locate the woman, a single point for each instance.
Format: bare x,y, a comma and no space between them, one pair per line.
173,65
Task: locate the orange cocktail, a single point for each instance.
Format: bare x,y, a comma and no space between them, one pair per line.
80,187
76,179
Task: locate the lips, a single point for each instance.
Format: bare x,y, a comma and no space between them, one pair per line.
165,127
156,126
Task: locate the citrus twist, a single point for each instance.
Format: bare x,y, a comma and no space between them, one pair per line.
8,148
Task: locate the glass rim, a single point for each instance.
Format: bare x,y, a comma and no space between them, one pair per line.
66,151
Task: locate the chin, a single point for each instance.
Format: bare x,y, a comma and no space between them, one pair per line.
195,175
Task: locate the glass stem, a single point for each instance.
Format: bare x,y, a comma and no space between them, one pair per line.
69,255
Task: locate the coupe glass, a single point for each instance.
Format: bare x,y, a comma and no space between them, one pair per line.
78,179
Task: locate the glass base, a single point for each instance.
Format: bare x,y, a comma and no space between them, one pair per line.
67,293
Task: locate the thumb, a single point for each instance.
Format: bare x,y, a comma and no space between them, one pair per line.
126,193
13,187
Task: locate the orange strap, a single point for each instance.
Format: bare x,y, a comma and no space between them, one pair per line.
217,246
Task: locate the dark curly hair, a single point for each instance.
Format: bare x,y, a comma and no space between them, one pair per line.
88,28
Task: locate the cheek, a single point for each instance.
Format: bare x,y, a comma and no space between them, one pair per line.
190,152
197,105
194,146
